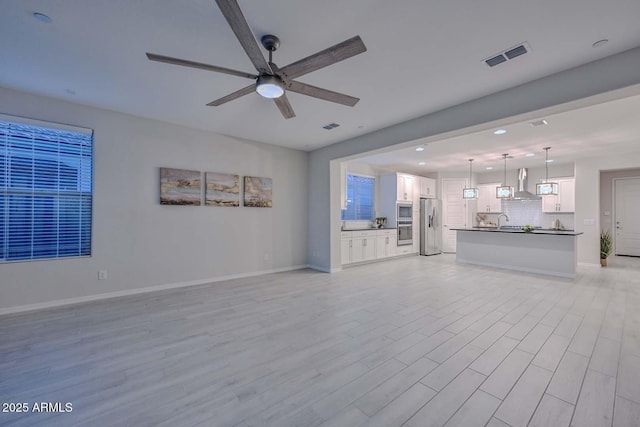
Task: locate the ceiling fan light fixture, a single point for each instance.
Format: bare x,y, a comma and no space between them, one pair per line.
269,86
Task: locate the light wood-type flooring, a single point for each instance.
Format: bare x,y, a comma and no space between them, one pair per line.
418,341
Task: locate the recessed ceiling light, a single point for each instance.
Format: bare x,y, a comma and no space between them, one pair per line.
42,17
419,148
489,168
600,43
421,163
549,161
530,154
500,132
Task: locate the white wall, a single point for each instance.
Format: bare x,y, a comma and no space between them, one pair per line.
595,78
606,194
588,200
144,244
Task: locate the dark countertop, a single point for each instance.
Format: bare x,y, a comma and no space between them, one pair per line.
520,231
370,229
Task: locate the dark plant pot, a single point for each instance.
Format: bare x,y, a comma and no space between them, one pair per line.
603,262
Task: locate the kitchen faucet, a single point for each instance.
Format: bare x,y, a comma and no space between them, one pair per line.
502,215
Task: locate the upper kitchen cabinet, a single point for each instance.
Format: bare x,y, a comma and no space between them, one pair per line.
487,200
565,201
405,187
427,187
397,185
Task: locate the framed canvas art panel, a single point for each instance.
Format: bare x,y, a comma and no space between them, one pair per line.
258,192
222,189
180,187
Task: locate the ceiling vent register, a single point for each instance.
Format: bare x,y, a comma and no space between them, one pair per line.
330,126
508,54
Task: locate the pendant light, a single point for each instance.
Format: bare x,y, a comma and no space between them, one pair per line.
470,193
547,188
505,191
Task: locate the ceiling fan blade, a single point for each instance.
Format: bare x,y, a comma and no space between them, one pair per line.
235,95
316,92
284,106
238,23
200,65
337,53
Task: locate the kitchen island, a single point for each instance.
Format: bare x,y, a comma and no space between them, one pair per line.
551,252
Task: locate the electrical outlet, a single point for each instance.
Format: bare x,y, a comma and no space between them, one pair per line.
102,275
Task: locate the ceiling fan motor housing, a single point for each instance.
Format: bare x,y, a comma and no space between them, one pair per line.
270,42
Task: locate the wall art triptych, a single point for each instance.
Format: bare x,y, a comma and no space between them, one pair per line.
184,187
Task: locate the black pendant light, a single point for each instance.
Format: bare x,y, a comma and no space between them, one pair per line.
470,193
547,188
505,191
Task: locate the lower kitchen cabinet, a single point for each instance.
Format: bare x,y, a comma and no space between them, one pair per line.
386,243
363,248
345,250
358,246
369,245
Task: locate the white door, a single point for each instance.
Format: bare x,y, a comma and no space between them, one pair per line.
627,236
454,211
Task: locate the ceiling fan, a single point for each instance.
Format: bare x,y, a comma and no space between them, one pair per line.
272,81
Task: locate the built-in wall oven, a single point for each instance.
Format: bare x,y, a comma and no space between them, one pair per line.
405,224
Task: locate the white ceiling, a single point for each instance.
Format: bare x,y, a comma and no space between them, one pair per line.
422,56
599,130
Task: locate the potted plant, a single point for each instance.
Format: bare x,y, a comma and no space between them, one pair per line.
606,246
381,221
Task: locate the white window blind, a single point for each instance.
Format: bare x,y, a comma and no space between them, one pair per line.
46,181
360,198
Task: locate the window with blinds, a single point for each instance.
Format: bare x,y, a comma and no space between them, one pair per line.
46,181
360,198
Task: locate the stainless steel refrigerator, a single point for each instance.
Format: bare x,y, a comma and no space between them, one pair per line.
430,226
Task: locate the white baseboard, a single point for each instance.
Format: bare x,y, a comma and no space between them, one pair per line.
324,269
108,295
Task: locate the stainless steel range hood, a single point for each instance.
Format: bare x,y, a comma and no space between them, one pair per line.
523,193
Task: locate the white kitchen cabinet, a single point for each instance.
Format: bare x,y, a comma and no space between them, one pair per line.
427,187
363,247
358,246
343,186
404,249
395,188
368,245
487,201
345,249
386,243
565,201
404,187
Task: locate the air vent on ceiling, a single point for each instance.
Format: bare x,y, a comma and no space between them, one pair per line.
508,54
492,62
538,123
330,126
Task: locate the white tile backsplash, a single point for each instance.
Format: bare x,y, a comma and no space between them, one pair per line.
523,212
356,225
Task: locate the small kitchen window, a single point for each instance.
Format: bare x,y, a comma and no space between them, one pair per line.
360,198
